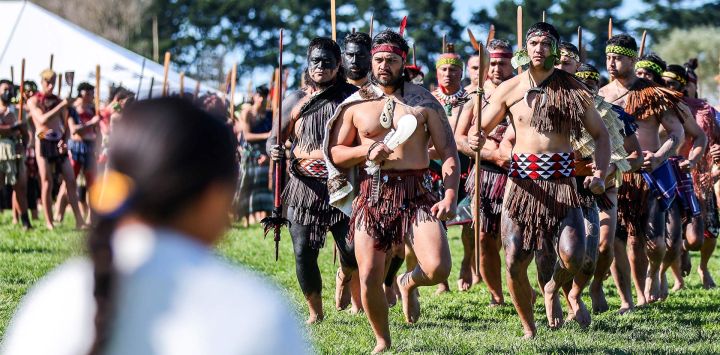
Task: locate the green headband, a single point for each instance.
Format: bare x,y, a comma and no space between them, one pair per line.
646,64
588,75
673,76
452,61
621,50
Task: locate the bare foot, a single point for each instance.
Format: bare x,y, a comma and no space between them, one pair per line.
685,263
553,309
679,285
706,279
663,295
381,346
652,288
496,303
342,290
443,287
599,303
410,302
314,318
49,226
390,295
626,308
463,285
529,333
465,279
476,279
314,302
581,314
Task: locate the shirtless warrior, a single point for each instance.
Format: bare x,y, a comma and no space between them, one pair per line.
395,205
541,214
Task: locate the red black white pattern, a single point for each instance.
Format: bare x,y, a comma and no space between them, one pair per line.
310,167
547,166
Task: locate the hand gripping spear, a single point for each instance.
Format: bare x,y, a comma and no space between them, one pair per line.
276,221
478,119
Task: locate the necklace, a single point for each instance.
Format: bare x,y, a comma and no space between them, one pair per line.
537,89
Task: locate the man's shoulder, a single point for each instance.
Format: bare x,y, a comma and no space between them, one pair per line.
417,96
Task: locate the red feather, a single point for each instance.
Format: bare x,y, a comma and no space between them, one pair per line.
403,24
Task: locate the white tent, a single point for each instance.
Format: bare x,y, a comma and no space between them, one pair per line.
34,33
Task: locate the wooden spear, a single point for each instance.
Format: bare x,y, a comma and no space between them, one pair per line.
22,91
165,74
52,60
152,85
642,44
544,16
197,90
182,84
332,19
59,83
12,74
519,25
580,44
444,43
97,89
372,16
478,121
233,79
610,29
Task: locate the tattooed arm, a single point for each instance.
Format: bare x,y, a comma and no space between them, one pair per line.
289,104
675,132
444,141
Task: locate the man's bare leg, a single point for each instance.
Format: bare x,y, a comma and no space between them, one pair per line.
433,265
371,268
587,269
490,266
606,254
558,264
621,271
72,195
19,198
61,203
517,261
465,278
706,252
673,243
46,184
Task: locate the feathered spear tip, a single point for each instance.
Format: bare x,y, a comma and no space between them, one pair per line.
274,223
403,24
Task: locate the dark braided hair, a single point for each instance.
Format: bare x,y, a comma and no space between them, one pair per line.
172,151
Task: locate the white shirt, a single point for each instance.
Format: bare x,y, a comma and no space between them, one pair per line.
174,297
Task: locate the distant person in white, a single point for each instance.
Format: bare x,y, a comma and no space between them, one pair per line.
151,284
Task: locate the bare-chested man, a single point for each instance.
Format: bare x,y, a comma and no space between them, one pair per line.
84,131
590,76
304,117
701,224
495,162
641,215
395,206
13,138
541,209
453,97
49,114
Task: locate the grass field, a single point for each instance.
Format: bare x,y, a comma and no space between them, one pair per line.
455,323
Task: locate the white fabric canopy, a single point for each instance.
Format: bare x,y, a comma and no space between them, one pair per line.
33,33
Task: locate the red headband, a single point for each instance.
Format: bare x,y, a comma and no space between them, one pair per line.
390,49
501,55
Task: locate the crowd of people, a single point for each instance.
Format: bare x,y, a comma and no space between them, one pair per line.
589,176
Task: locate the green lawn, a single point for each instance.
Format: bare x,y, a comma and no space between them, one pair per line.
457,323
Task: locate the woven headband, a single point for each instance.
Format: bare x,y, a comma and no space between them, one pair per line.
646,64
501,55
452,61
588,75
621,50
538,33
388,49
566,53
673,76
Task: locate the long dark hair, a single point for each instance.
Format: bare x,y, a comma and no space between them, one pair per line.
172,151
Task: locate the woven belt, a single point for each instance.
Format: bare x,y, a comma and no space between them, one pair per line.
314,168
543,166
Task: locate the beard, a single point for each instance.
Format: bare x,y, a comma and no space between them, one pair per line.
395,81
356,75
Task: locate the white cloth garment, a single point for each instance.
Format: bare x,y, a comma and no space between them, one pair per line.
174,297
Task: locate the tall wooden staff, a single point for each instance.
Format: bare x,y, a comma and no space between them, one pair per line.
197,90
233,79
152,85
610,29
332,19
22,91
97,89
642,44
491,35
12,74
70,81
519,32
182,84
52,60
59,84
580,44
165,74
372,16
276,221
544,16
478,119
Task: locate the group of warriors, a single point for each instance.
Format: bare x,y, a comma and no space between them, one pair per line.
591,178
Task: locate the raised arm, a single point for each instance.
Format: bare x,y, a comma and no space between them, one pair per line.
42,117
344,150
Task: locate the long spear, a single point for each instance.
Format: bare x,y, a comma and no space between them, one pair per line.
610,29
332,19
276,221
166,68
97,89
372,18
642,44
52,60
22,91
70,81
491,35
197,90
12,74
233,79
519,25
182,84
478,119
59,82
152,85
